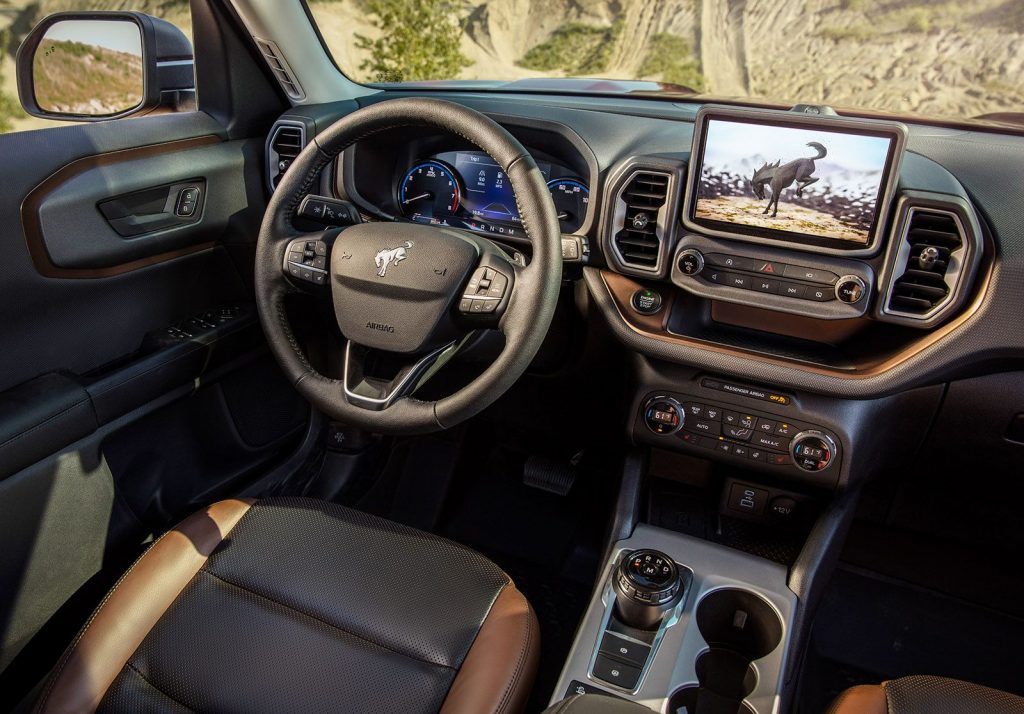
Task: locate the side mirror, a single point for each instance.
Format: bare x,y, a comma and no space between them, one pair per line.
93,66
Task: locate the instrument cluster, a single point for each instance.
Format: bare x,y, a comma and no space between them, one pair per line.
468,189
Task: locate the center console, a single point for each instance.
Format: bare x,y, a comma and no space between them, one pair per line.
681,624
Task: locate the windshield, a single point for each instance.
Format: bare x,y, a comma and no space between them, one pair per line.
953,60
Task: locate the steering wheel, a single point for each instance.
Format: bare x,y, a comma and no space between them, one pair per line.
406,293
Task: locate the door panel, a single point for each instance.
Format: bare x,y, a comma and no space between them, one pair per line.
135,382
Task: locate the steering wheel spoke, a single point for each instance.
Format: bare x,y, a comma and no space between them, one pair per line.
377,393
307,258
486,294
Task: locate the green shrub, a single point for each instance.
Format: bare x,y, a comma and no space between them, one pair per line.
574,48
10,109
671,57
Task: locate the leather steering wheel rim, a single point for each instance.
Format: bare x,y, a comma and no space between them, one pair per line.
531,306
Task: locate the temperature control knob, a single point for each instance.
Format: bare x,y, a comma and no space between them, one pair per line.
812,450
690,262
663,415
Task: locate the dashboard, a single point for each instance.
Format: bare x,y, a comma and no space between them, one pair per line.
912,279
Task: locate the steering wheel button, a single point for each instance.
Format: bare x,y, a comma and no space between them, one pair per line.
320,248
477,306
465,305
490,305
319,278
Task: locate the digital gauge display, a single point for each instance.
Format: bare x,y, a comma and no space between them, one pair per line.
468,189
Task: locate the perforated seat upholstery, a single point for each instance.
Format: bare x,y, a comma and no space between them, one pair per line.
926,695
299,605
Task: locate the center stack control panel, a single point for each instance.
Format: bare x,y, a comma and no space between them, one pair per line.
750,438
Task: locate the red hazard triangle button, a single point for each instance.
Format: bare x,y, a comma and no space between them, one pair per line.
767,268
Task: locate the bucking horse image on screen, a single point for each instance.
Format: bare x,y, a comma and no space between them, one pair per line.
780,177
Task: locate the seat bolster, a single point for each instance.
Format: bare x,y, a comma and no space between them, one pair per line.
132,608
864,699
497,672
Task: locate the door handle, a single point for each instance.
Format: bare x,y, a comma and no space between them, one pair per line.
155,209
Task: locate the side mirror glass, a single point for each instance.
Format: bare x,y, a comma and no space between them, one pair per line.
91,66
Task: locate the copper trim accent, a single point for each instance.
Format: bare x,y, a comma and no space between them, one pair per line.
830,332
133,607
620,288
34,232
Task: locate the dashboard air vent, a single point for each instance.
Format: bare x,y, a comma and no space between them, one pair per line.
638,241
935,240
282,72
287,140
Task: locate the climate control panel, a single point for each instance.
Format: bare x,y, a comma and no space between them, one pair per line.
751,438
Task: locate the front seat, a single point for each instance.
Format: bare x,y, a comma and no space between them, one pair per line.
290,604
926,695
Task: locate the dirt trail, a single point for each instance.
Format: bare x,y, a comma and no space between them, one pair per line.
722,46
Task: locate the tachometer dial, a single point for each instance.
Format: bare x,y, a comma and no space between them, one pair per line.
429,190
571,198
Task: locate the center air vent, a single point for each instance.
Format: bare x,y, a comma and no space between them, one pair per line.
934,239
640,219
287,140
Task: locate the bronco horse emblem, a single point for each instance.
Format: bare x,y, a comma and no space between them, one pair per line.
391,256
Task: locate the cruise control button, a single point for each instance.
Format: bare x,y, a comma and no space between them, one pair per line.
489,305
615,672
810,274
320,248
477,306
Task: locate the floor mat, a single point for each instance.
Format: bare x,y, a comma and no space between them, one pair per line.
870,627
549,544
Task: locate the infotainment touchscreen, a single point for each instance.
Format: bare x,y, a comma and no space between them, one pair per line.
821,181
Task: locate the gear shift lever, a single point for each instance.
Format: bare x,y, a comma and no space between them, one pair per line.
647,585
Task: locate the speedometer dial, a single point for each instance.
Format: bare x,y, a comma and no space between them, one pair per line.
429,190
571,199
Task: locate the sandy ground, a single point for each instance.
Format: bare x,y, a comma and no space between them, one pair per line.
798,219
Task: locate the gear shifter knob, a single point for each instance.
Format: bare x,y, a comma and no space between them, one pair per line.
647,585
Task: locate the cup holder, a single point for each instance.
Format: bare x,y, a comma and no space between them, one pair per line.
739,628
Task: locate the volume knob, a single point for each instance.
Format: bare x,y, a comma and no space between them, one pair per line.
690,262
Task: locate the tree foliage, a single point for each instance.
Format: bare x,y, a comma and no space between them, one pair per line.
419,40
